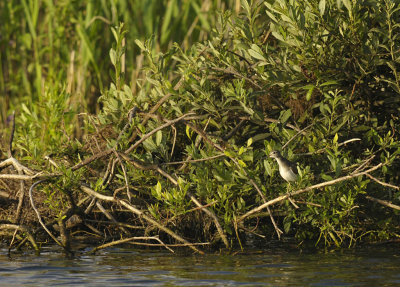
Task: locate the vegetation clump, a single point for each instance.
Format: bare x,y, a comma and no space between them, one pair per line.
182,159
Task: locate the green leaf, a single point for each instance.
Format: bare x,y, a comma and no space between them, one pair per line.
128,91
249,142
256,52
246,6
309,93
140,45
335,138
189,135
113,56
268,167
285,115
329,83
159,136
242,163
321,7
347,4
158,187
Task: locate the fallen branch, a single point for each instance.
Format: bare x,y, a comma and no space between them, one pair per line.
140,214
125,240
26,177
300,191
23,229
169,245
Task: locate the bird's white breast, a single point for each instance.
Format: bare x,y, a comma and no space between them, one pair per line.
286,173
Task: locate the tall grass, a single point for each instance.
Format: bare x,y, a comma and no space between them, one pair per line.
66,43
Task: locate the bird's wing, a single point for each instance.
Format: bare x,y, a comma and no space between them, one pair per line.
293,167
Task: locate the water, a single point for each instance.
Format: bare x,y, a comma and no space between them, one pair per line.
373,266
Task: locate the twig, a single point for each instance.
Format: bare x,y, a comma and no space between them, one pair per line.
204,135
296,135
92,158
128,193
322,149
383,202
174,141
26,177
213,216
125,240
4,194
146,136
132,112
232,71
365,163
307,203
110,171
203,206
170,245
195,160
114,223
17,165
284,197
234,130
38,214
110,217
359,166
383,183
252,232
269,120
277,229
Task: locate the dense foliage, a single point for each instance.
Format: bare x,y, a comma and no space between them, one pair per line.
188,141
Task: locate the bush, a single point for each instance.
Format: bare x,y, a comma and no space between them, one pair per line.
317,80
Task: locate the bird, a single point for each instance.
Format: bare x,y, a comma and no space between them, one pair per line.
287,169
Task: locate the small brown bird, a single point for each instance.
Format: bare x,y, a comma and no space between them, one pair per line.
287,169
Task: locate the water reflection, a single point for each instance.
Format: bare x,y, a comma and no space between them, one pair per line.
378,266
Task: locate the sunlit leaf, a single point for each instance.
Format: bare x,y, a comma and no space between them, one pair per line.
321,6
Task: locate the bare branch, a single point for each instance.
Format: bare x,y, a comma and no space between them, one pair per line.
38,214
383,202
125,240
383,183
